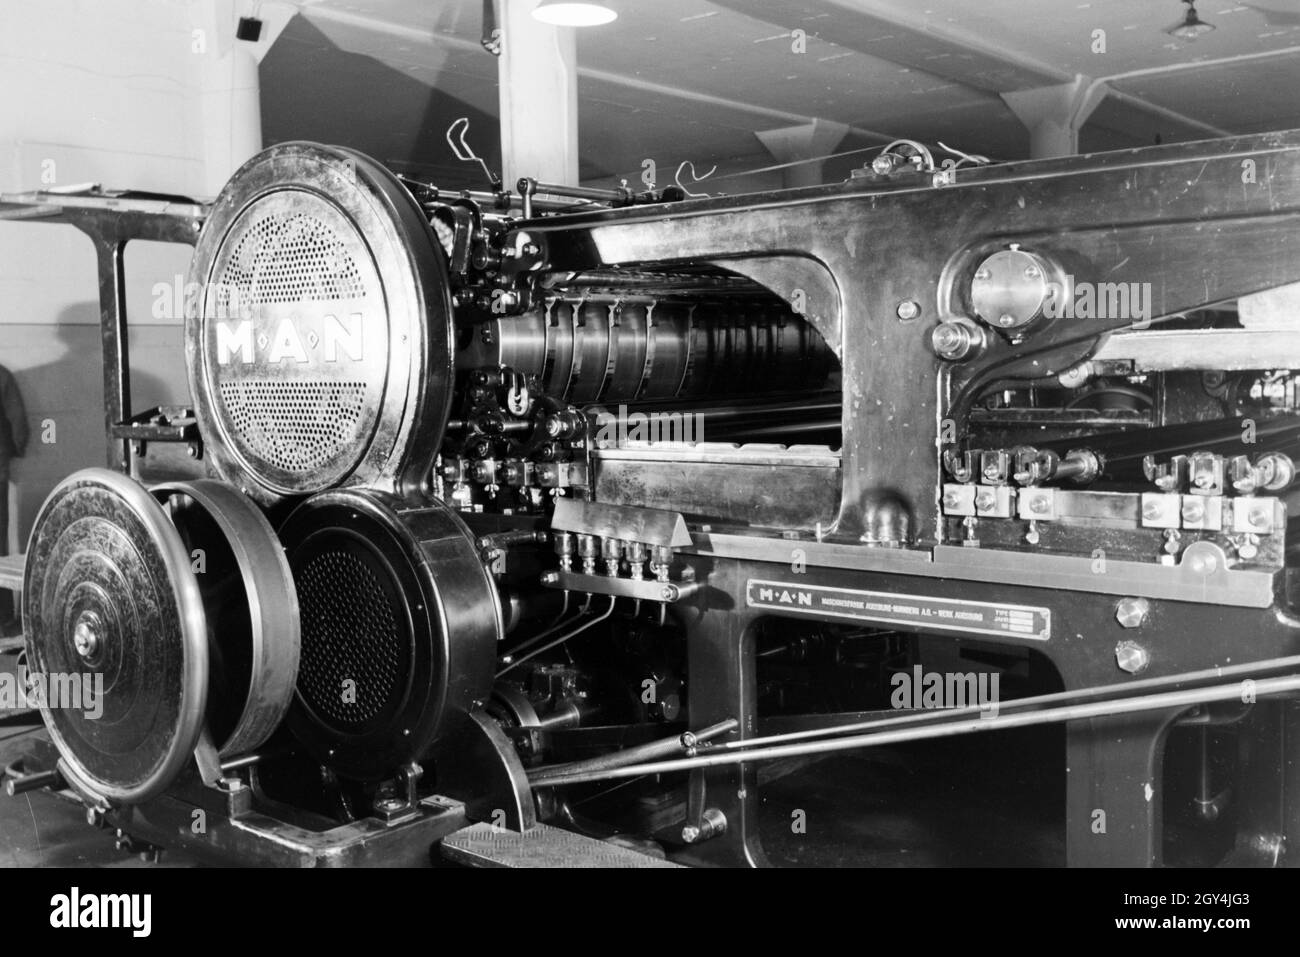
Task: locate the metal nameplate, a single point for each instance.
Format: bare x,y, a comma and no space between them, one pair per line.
928,611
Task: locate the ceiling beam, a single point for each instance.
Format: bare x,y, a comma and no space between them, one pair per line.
417,36
960,57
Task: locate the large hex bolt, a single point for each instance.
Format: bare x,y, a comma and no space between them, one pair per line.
1132,612
1132,657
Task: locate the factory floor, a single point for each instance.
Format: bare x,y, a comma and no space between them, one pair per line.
909,809
37,830
979,801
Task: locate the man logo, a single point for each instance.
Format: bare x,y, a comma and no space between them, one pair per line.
786,596
338,337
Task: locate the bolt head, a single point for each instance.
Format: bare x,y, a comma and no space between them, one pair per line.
1132,612
985,501
908,309
690,834
882,164
1006,319
1132,657
1039,505
951,341
1151,511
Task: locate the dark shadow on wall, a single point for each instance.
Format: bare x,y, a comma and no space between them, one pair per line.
312,90
65,396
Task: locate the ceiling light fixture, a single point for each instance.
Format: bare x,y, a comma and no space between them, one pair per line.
561,14
1190,26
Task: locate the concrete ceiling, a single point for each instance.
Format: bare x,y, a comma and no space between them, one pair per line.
676,80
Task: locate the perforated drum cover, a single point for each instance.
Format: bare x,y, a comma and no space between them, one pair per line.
110,598
400,622
318,327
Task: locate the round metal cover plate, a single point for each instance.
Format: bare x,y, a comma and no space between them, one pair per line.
318,326
116,638
400,622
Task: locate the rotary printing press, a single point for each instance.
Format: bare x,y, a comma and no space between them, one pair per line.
551,525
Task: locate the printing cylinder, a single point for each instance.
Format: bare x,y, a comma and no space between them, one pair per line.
609,349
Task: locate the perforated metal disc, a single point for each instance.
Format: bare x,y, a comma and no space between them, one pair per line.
318,326
400,622
110,604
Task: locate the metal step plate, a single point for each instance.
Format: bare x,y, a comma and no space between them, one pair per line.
483,845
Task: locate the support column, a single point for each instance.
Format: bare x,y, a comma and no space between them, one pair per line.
1054,114
538,74
720,671
1114,768
790,144
229,93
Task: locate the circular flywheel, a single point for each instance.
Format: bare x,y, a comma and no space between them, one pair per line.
116,637
163,612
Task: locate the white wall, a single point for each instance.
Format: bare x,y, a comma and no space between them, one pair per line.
153,95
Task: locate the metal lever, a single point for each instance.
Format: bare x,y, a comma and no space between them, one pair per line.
463,152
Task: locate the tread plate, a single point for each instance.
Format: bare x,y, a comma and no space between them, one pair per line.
483,845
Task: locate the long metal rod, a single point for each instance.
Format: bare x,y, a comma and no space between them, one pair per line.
642,752
1114,692
1124,451
1157,702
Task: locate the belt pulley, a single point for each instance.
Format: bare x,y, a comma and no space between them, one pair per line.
170,612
